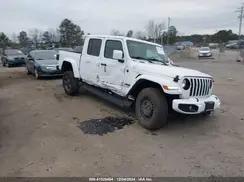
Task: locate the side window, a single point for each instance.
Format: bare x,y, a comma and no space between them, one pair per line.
110,46
94,47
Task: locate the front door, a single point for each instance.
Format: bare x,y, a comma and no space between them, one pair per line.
112,71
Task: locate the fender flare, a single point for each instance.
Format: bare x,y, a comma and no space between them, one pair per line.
74,65
160,81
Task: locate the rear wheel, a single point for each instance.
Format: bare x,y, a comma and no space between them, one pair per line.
70,83
151,108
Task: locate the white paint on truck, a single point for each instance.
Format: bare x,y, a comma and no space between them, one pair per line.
119,64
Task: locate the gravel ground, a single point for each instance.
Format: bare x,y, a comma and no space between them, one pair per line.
40,134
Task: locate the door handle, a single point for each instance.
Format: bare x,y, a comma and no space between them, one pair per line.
105,66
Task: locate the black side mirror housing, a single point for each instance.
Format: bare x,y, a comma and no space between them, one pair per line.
121,60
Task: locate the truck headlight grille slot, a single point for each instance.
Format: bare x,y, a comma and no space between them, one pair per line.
200,86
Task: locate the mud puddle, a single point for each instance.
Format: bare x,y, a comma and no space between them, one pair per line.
104,126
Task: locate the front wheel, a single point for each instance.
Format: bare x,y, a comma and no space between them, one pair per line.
37,76
27,71
151,108
70,83
4,64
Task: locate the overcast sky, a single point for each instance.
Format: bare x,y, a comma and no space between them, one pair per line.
101,16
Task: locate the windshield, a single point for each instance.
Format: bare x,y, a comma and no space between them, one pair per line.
43,55
13,52
204,49
139,50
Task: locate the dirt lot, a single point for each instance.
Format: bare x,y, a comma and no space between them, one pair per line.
39,133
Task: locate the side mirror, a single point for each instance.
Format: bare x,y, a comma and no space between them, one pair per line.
118,55
57,57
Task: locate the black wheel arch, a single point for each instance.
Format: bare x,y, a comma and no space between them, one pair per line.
140,85
143,83
66,66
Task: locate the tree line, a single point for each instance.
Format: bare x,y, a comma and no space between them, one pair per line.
69,34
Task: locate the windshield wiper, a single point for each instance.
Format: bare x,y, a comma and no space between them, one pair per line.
157,60
138,57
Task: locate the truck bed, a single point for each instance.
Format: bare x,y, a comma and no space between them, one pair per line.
69,56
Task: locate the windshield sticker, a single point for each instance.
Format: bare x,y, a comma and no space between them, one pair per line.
160,50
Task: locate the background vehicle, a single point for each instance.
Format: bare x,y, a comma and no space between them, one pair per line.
131,72
213,45
65,49
42,63
13,57
204,52
180,47
236,45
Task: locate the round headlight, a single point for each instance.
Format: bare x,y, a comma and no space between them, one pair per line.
186,84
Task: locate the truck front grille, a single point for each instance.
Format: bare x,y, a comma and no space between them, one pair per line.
200,86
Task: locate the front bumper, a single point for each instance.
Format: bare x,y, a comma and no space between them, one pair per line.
205,55
48,73
16,62
196,105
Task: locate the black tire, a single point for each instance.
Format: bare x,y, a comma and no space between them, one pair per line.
4,64
151,108
27,71
9,65
70,83
36,74
208,113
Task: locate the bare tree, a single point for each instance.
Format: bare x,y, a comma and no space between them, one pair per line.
155,30
116,33
55,35
140,35
14,38
36,36
150,29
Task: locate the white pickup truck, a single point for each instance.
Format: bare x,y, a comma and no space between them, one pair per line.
135,73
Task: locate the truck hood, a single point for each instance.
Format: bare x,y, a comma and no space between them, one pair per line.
169,71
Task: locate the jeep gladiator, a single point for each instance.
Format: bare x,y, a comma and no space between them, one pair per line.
138,74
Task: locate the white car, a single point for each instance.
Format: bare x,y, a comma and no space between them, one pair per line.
138,74
204,52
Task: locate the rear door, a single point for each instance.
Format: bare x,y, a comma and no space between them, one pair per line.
112,71
90,60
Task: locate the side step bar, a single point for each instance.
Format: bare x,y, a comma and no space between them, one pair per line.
109,96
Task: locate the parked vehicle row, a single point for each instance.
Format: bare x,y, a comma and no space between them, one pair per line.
12,57
127,72
40,63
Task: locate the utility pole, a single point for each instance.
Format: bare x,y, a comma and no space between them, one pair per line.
240,10
168,30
